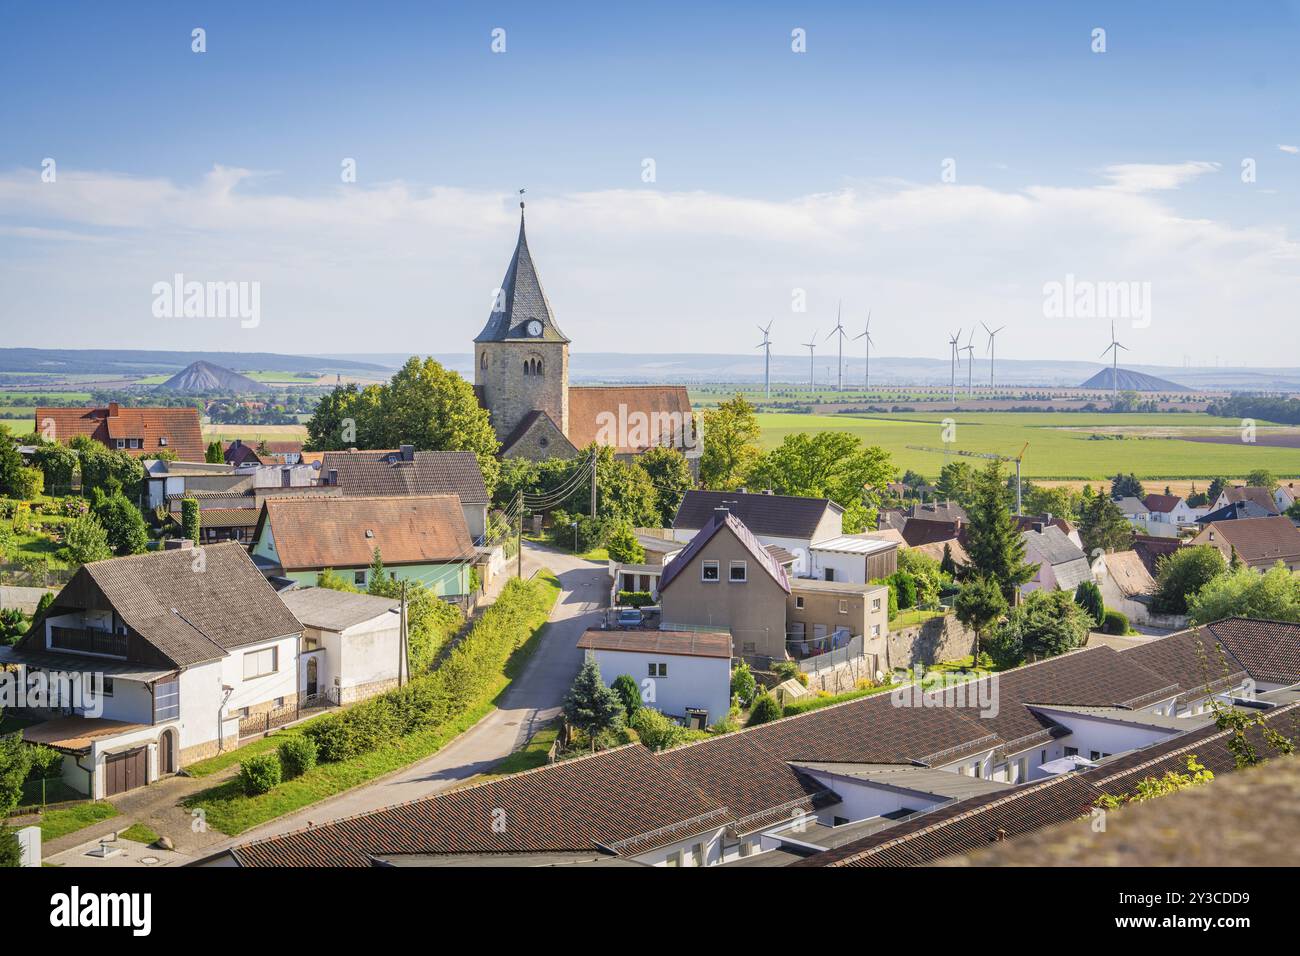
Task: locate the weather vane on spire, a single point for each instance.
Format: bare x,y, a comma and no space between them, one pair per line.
521,198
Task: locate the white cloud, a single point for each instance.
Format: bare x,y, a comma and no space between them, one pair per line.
396,267
1288,148
1141,177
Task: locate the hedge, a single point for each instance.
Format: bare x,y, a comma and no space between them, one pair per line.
469,672
1115,623
297,756
635,599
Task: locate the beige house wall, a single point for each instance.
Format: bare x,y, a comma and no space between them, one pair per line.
753,611
857,611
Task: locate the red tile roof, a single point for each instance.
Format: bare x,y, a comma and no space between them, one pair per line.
600,413
159,429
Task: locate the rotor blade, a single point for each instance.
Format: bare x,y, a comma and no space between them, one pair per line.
986,328
1107,349
1124,347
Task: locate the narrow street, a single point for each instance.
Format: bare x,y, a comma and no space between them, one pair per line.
533,698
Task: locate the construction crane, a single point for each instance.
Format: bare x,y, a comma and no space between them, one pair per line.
980,454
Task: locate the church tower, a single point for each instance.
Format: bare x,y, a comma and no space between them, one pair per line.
521,358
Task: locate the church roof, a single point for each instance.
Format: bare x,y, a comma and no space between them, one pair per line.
521,300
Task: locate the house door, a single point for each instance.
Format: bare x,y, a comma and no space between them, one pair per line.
126,771
167,752
312,671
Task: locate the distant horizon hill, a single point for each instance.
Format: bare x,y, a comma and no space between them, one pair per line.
201,377
146,362
677,368
1130,381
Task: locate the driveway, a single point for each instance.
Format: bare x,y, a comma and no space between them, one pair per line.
531,700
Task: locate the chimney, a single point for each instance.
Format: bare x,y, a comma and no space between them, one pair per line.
1000,835
113,409
408,452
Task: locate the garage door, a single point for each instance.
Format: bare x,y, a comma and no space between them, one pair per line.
125,771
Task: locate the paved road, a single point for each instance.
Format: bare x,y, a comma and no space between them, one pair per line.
533,698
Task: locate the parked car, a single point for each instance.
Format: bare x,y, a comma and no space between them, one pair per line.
630,617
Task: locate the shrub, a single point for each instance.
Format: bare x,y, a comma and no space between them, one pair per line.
622,544
635,598
1182,574
1115,623
785,670
743,685
1088,596
904,585
330,735
765,709
629,693
297,756
659,732
260,774
45,761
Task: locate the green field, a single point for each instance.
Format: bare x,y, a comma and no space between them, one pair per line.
1061,444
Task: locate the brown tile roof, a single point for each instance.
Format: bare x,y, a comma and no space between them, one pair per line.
314,533
919,531
76,733
744,779
1161,503
369,474
159,429
1194,659
722,519
971,824
1269,650
666,407
1253,493
1151,548
680,643
781,516
189,612
1129,573
1257,540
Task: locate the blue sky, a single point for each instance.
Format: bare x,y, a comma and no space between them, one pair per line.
775,171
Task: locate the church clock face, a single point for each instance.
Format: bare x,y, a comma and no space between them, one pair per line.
534,328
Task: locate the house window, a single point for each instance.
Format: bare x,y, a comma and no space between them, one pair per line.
279,702
749,647
737,572
162,441
482,360
844,607
658,669
1098,755
260,663
875,604
1072,751
875,630
674,858
709,571
697,854
358,577
798,603
830,574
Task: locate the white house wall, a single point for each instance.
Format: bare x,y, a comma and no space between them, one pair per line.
703,682
369,651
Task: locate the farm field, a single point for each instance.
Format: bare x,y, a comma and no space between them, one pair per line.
1061,445
256,433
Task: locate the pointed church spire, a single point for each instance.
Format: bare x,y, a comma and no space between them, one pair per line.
521,312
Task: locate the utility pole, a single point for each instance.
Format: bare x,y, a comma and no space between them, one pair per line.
593,482
519,550
401,641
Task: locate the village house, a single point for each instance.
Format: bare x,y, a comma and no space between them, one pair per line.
1171,510
684,674
832,783
1235,510
140,432
838,618
421,538
1126,585
786,521
1061,563
352,644
1284,496
724,579
405,471
184,646
1259,543
1255,494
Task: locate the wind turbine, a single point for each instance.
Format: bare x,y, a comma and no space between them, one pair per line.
1113,349
867,335
839,328
766,346
992,333
970,362
953,343
812,368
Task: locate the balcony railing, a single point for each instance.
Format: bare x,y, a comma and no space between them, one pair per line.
88,641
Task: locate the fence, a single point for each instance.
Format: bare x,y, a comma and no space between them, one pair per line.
267,720
27,576
832,658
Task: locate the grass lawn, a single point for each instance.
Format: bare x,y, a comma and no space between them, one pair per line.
912,617
57,823
1061,444
38,793
206,768
231,812
139,833
532,755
